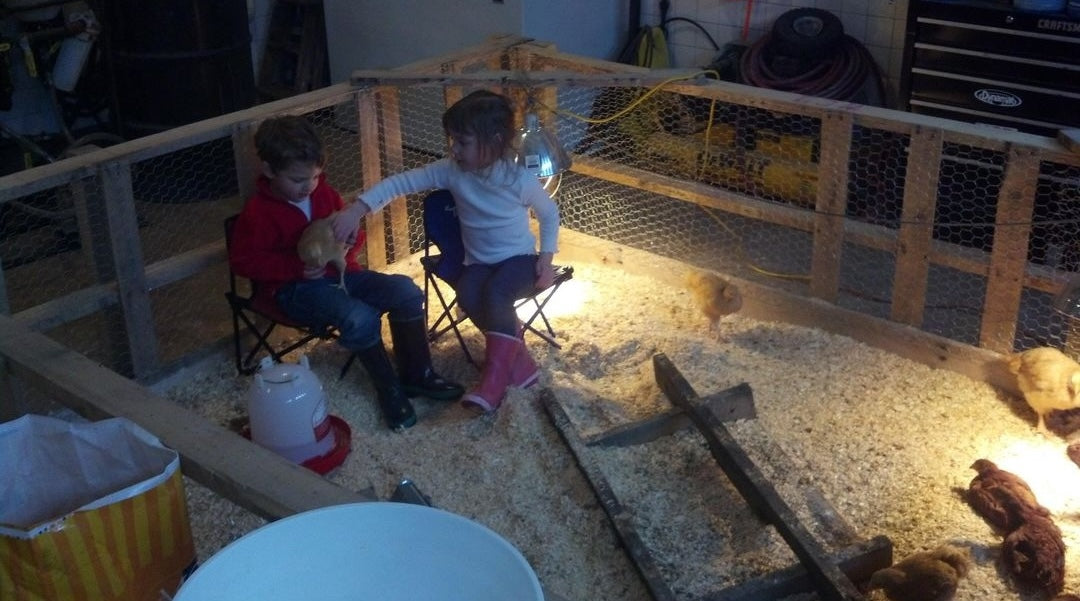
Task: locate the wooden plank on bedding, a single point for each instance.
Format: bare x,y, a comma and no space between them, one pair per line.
754,487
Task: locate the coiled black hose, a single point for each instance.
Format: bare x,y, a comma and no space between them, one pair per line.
840,75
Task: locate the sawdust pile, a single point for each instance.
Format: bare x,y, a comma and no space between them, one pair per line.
882,440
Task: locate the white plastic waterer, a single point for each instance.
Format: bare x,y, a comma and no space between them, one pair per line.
287,411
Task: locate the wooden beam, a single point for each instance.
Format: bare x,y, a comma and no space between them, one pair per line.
857,561
234,467
619,516
1012,231
390,118
916,236
831,207
493,78
772,304
1069,137
127,261
367,118
758,492
728,405
87,301
245,159
62,172
954,256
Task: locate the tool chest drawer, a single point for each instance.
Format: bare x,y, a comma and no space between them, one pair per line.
985,62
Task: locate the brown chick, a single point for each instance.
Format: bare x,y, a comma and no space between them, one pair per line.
714,296
1073,451
1034,554
1048,379
1001,498
318,247
927,576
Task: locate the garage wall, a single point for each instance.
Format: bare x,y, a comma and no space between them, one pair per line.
879,25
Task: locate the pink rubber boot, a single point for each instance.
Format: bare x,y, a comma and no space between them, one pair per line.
500,354
524,372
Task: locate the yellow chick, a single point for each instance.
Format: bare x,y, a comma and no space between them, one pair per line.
714,296
318,247
1049,380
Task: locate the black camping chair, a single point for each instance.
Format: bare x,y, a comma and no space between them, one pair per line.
252,310
442,233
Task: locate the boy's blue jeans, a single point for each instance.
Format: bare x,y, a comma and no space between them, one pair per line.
487,293
357,312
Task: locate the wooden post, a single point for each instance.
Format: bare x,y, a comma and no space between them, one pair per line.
390,113
831,204
245,160
367,118
916,226
451,93
127,260
1008,257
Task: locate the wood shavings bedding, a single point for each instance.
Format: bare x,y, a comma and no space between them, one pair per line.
885,440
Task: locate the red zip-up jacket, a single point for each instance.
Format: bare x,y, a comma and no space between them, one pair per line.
265,235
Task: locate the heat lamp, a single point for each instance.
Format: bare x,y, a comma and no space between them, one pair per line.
540,152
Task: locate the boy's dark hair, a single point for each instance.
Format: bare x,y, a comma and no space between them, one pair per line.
282,141
485,115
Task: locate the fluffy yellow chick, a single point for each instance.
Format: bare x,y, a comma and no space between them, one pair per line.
1049,380
714,296
317,247
927,576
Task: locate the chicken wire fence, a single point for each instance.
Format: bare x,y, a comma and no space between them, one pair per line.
760,156
717,184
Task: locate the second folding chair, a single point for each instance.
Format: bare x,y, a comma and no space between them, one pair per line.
442,233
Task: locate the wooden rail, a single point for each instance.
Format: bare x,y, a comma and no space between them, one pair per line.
100,181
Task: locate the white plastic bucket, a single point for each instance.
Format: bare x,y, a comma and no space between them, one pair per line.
380,550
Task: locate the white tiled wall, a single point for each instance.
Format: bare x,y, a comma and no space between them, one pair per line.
878,24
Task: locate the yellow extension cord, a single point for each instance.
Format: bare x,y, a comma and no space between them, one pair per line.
704,160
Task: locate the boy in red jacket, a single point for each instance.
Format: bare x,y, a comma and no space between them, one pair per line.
290,193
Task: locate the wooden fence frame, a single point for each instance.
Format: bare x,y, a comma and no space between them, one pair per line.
28,358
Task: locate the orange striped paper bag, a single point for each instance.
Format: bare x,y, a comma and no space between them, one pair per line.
90,511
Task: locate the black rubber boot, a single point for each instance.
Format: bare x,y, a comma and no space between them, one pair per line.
413,354
396,408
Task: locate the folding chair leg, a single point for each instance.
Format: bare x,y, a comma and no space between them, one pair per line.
549,334
237,351
345,368
243,362
436,329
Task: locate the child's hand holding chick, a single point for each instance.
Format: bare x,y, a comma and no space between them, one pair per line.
346,222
